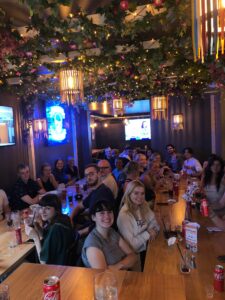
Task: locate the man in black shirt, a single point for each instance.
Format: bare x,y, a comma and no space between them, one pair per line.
26,191
96,190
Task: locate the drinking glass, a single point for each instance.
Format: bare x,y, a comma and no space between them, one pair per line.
209,291
4,292
105,286
16,219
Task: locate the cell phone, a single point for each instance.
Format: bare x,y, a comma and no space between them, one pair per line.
221,258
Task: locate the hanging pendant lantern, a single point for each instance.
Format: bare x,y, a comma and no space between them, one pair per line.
71,86
118,107
40,128
178,122
208,26
159,107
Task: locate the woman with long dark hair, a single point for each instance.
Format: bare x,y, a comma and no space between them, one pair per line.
213,182
54,236
104,247
47,180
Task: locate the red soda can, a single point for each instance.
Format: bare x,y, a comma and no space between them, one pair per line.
204,208
77,186
18,236
51,288
219,278
184,228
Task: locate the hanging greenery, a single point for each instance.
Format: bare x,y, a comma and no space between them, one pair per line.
134,71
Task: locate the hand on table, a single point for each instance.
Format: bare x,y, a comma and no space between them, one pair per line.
153,234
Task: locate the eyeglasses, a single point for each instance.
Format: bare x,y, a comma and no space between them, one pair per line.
103,168
90,174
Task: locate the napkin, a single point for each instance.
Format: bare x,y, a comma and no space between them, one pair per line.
213,229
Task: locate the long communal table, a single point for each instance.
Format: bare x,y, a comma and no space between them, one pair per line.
161,278
78,283
165,260
11,257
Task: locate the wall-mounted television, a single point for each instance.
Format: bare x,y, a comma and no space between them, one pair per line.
58,124
138,129
138,107
7,134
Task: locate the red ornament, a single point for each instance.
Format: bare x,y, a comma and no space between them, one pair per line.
124,5
158,3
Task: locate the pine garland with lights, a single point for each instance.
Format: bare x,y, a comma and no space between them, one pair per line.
135,72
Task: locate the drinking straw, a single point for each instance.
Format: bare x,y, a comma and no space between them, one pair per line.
181,254
32,223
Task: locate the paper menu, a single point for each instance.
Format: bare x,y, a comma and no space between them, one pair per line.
191,236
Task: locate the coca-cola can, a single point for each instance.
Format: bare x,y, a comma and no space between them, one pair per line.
184,228
219,278
204,208
51,288
18,236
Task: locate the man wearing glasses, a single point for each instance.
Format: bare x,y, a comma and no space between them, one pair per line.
96,188
106,176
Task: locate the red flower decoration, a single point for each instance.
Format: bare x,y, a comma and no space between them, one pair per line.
158,3
124,5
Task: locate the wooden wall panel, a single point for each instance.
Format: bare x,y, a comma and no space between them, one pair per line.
196,133
11,156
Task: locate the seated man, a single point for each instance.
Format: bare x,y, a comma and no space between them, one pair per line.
4,204
173,159
191,165
106,176
95,188
140,158
118,169
26,191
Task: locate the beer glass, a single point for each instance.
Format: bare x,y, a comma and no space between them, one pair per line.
105,286
4,292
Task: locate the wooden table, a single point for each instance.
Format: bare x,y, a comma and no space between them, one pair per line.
162,259
77,283
10,258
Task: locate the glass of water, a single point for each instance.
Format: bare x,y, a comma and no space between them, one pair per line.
4,292
105,286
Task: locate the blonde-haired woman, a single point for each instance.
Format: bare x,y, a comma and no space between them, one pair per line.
136,221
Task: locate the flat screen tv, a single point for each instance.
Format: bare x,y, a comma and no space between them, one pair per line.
138,129
138,107
7,134
57,122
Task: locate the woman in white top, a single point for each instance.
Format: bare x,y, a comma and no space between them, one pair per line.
213,183
4,204
136,221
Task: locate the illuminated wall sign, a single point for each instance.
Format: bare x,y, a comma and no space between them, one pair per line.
57,123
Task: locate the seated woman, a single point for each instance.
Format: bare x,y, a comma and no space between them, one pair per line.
136,221
71,169
4,205
104,248
47,180
213,183
131,171
60,174
158,171
54,237
218,221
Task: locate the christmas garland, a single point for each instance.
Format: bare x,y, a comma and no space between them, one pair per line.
134,72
